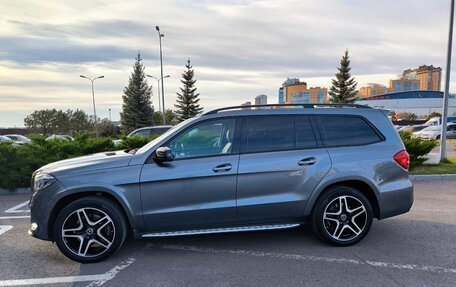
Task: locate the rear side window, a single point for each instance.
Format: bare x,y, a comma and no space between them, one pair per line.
274,133
346,131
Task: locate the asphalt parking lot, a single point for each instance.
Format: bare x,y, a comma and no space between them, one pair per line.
415,249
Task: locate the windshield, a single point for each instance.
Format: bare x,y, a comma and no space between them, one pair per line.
163,136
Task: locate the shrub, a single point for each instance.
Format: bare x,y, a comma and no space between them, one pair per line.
17,164
135,141
416,147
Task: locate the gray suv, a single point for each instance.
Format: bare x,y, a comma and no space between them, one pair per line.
229,170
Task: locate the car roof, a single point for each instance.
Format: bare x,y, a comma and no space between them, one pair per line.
154,127
293,111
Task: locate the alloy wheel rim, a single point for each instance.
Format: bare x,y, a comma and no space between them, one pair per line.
88,232
345,218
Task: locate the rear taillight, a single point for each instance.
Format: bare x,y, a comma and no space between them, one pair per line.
403,159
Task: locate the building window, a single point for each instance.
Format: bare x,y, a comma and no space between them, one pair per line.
398,87
408,86
320,97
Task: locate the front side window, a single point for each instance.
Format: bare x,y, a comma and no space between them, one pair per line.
275,133
206,139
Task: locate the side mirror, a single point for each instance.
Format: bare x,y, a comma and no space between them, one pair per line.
163,154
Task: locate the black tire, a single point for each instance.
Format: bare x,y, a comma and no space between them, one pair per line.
437,137
105,238
347,222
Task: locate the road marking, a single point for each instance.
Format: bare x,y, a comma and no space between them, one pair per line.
15,217
113,272
5,228
97,280
414,267
15,209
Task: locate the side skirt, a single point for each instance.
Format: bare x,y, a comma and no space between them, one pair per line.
221,230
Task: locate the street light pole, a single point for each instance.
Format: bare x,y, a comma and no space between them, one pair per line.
158,90
110,115
93,99
158,87
447,86
160,36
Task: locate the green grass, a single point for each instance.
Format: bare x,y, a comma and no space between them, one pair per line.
446,167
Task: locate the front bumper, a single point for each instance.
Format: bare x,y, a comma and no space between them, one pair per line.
41,207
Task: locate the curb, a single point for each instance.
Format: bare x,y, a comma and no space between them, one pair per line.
421,177
24,190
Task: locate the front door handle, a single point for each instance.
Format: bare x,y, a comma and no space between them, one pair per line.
307,161
222,167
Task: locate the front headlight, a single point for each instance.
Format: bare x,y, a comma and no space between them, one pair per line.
42,180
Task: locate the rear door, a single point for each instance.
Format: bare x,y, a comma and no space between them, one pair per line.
280,164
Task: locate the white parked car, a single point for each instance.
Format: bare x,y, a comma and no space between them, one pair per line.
7,139
18,138
60,137
146,132
434,132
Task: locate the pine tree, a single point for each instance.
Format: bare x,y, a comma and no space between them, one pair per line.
343,89
187,101
137,108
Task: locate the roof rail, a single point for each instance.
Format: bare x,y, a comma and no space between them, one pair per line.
278,106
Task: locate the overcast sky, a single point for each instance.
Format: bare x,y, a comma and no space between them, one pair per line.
239,49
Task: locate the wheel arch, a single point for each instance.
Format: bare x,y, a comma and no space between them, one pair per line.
362,185
77,194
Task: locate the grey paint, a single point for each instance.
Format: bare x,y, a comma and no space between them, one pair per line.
259,187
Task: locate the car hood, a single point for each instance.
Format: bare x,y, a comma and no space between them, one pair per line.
88,163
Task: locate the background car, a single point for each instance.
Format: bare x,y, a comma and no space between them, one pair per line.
7,139
146,132
414,128
18,138
60,137
434,132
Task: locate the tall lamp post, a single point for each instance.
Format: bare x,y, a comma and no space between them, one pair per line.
447,86
93,99
160,36
158,87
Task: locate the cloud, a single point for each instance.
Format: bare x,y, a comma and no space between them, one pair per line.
239,48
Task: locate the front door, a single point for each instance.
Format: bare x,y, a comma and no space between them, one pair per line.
198,188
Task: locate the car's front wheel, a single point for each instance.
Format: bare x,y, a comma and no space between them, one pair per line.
90,229
342,216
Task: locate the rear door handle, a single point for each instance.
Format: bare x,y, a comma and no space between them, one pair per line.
307,161
222,167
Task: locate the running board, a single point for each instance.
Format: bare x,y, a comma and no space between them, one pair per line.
221,230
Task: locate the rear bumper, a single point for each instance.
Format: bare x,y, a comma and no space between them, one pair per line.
395,198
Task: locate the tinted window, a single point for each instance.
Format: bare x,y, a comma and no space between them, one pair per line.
346,130
305,137
268,133
205,139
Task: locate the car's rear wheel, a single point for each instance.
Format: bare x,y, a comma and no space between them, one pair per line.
342,216
90,229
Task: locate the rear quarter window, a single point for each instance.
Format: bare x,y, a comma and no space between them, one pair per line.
346,131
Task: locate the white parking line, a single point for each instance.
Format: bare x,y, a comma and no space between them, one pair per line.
97,280
15,217
15,209
414,267
5,228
